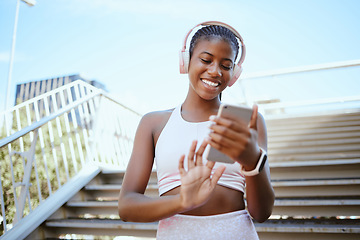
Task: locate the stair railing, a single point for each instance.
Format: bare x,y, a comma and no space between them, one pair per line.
273,107
47,140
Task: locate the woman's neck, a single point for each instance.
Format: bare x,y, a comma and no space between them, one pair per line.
198,109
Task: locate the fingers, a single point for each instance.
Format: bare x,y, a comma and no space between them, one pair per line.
181,165
221,133
191,163
226,123
198,160
226,131
210,164
254,116
217,174
199,153
237,124
226,139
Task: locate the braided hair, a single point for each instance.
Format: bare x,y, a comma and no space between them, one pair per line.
212,31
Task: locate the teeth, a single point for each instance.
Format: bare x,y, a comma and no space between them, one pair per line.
210,83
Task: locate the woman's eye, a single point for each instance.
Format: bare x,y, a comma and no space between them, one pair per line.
226,67
205,60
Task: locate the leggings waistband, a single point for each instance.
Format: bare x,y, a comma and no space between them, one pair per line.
217,216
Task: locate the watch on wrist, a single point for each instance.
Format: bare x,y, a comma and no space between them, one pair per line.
259,165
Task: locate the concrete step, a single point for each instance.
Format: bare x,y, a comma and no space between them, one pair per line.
314,137
309,229
306,207
315,169
299,132
102,209
110,192
320,207
347,187
312,150
110,176
106,227
310,119
312,143
283,188
313,125
305,157
279,229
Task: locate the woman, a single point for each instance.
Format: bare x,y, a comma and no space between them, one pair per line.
200,199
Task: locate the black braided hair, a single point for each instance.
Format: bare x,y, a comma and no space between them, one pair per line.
211,31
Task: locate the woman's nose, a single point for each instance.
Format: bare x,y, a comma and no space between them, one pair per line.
214,70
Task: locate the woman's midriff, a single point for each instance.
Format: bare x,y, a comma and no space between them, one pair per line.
223,200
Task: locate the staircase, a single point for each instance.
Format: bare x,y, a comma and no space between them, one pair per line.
315,171
93,211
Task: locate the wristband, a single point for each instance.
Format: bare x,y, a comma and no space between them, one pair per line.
259,165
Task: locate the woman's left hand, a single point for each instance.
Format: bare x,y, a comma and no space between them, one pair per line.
236,138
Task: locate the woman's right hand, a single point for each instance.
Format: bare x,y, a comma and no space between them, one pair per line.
197,183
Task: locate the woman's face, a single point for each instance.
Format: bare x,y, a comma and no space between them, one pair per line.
211,67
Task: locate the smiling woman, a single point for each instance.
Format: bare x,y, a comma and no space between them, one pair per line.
200,199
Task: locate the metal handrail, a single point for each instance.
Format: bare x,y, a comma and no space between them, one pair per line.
68,128
317,67
324,101
44,120
273,106
49,93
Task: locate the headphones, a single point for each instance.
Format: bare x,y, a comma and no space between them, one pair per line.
185,54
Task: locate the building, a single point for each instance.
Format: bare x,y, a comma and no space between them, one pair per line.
29,90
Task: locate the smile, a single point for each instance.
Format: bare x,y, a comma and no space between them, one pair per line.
210,83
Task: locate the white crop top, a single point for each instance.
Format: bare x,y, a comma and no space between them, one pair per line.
174,141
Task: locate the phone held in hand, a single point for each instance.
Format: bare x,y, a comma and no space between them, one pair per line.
228,111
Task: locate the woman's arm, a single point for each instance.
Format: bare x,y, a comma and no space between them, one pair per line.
133,205
260,195
241,142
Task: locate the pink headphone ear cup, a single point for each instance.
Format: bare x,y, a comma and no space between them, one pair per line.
184,61
236,75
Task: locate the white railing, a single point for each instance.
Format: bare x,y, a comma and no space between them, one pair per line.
47,140
250,89
310,107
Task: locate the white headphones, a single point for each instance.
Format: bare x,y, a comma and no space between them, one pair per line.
185,54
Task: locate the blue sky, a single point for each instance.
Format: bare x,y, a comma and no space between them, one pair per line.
132,46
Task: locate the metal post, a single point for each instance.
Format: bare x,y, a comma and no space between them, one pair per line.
12,56
29,3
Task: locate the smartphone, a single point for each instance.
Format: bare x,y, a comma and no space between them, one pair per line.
227,110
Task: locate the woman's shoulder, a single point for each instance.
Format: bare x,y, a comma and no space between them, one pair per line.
156,119
158,115
155,122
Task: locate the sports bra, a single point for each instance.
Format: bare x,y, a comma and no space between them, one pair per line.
174,141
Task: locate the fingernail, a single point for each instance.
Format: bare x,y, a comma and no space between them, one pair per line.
212,117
